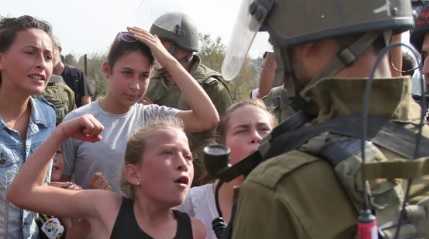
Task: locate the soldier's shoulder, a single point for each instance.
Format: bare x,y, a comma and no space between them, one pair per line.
277,92
272,171
206,75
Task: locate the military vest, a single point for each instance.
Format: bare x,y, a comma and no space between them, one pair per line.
336,138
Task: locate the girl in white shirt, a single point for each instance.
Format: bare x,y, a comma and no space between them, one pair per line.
241,128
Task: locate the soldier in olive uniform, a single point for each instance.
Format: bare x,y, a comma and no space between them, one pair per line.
314,189
271,88
60,96
180,36
57,92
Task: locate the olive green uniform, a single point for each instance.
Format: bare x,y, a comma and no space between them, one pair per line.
60,96
278,103
298,194
164,92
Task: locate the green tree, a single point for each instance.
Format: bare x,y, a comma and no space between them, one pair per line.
212,51
94,74
212,54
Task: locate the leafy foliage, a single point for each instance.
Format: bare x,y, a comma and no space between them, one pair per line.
212,54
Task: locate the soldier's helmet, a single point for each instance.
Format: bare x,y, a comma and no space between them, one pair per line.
178,28
422,24
293,22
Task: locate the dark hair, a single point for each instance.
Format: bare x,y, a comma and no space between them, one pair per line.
9,28
121,47
223,125
409,63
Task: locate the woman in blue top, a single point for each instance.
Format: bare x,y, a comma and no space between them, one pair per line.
25,122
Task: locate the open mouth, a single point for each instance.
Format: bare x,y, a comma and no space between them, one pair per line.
37,77
182,180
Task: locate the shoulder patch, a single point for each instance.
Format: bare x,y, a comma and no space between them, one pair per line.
273,170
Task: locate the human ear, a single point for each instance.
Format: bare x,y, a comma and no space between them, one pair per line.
132,174
106,69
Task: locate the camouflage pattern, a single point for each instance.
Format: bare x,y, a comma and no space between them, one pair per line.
60,96
161,91
300,193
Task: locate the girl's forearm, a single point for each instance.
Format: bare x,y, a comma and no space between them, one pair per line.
195,96
33,171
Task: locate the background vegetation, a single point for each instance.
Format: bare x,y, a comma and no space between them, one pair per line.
212,53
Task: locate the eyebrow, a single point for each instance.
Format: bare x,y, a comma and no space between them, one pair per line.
262,124
127,68
132,69
242,126
37,48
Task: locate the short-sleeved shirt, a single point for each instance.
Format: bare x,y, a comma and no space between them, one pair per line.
83,159
76,80
200,203
16,223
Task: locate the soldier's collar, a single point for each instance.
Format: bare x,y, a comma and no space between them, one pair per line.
195,62
390,97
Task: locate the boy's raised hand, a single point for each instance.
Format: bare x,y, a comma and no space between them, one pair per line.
153,42
85,127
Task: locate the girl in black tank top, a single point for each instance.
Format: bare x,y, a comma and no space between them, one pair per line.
126,225
157,173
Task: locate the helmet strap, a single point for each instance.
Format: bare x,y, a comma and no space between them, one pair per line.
345,57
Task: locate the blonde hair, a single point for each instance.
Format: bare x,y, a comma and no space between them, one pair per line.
136,145
222,127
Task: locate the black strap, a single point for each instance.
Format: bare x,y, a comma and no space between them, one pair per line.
184,225
387,134
295,121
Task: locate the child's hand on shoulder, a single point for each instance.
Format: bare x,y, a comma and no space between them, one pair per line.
85,127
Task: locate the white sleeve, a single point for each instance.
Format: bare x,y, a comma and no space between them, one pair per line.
153,111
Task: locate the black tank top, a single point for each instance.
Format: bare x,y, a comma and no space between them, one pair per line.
126,225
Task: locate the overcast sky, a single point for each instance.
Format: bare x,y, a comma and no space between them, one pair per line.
89,26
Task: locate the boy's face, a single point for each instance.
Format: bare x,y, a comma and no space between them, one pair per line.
58,167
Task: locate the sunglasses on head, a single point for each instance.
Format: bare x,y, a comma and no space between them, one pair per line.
126,37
